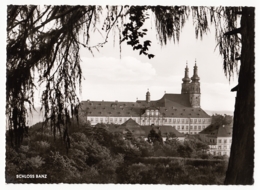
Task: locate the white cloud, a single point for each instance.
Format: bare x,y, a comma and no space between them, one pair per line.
217,96
125,69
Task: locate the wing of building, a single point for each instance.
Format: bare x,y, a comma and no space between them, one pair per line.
219,139
180,111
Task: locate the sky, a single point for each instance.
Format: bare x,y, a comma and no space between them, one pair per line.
108,77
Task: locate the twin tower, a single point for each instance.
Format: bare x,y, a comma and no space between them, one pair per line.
192,88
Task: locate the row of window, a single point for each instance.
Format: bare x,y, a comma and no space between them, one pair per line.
223,147
224,140
192,133
191,127
111,119
219,153
179,120
187,120
120,120
220,140
152,112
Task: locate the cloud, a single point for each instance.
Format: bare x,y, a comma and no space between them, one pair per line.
125,69
217,96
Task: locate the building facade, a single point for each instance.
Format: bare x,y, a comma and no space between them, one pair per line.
180,111
219,139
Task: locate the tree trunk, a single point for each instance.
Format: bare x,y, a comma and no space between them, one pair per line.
241,163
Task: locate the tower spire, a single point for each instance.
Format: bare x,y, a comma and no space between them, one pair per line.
186,80
195,77
148,96
194,92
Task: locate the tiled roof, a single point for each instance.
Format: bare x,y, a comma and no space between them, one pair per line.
176,100
164,130
225,131
218,131
211,129
132,126
170,105
184,112
143,131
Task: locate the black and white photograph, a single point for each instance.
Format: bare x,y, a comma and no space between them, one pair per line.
130,94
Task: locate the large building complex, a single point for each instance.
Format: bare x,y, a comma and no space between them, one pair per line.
181,111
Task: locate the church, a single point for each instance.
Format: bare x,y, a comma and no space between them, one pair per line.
180,111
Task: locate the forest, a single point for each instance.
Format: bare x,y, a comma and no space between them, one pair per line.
96,155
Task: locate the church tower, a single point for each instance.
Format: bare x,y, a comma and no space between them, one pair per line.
186,81
195,89
148,96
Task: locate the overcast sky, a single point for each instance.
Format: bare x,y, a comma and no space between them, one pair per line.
109,78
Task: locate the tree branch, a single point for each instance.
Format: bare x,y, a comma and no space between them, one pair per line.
56,17
232,32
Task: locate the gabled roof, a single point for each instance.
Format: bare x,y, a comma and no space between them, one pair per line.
225,131
130,123
218,131
211,129
183,112
176,100
131,126
165,130
170,105
110,109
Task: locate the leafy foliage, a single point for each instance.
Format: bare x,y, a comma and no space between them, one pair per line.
100,160
219,120
155,136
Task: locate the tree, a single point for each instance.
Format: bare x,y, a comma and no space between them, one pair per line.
33,47
219,120
154,136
